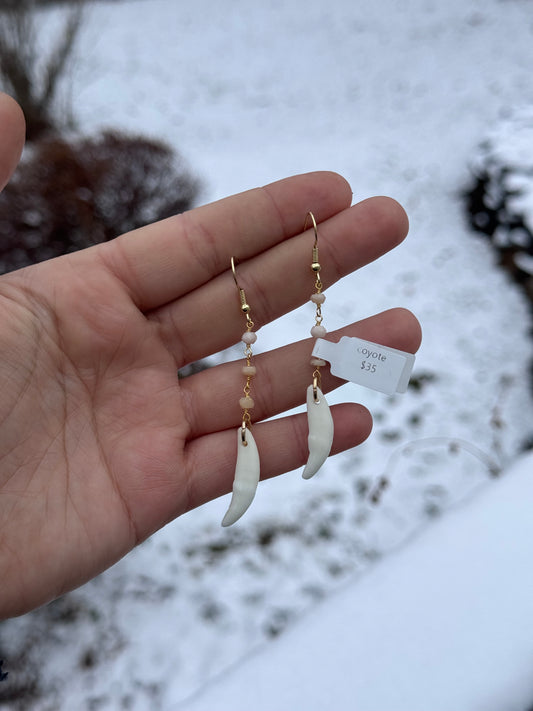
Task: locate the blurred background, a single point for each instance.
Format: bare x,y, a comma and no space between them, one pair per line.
138,109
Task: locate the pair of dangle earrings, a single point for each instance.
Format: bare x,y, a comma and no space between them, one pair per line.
319,417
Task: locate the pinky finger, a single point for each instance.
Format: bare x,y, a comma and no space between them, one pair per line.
282,445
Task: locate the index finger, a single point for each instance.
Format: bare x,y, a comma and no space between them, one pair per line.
165,260
13,128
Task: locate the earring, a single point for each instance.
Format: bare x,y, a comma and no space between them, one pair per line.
319,417
247,467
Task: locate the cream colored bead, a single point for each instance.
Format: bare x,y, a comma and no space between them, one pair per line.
318,331
249,337
318,362
246,403
318,298
249,370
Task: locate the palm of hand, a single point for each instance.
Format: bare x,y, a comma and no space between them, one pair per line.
95,427
100,443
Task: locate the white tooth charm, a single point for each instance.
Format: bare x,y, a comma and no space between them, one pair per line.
320,432
246,477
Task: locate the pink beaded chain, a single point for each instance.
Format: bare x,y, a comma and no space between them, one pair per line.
248,337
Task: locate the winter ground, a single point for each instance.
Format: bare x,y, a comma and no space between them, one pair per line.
456,637
395,96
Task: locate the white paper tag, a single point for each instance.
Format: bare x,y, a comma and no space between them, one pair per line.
365,363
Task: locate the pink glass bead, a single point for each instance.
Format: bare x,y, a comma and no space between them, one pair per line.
249,337
318,298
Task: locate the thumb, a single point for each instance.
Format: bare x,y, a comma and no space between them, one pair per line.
12,134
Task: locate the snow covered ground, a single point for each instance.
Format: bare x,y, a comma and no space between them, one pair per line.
396,96
445,623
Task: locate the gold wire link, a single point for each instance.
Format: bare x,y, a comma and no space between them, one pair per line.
243,433
246,423
317,383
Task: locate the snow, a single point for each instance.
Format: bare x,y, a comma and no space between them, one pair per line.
444,623
397,97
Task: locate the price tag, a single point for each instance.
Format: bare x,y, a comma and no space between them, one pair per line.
365,363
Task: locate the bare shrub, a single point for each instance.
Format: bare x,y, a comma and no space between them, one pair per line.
33,79
20,686
70,195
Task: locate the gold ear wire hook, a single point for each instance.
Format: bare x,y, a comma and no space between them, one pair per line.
234,272
310,215
315,266
245,308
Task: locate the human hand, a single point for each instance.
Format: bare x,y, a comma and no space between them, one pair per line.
100,443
